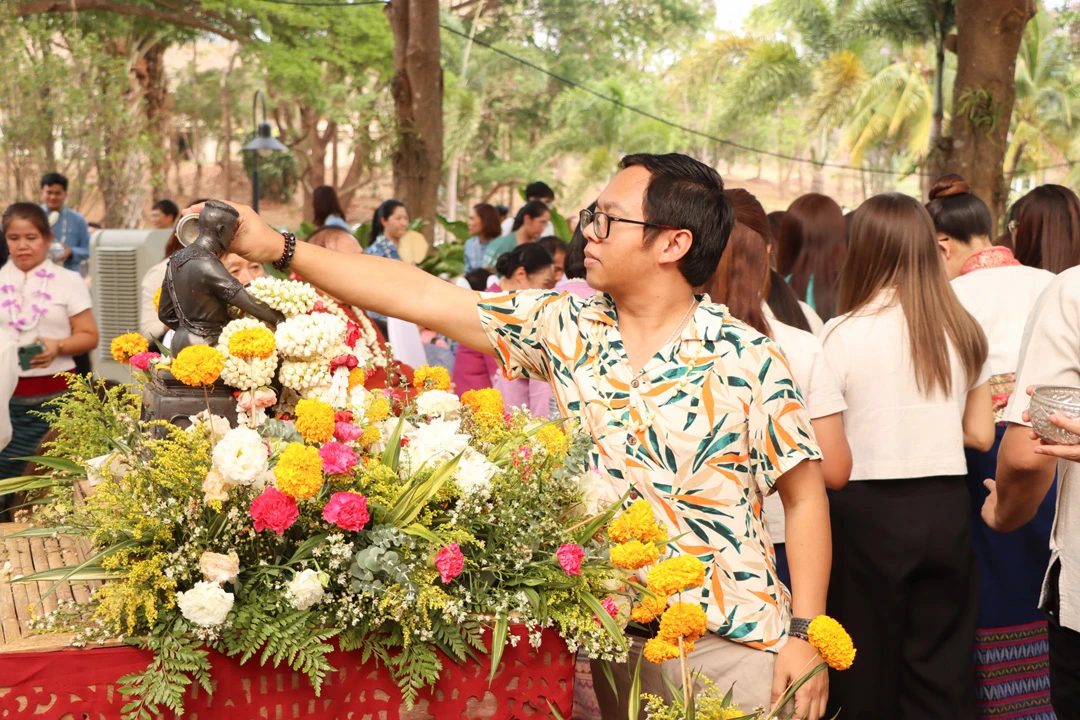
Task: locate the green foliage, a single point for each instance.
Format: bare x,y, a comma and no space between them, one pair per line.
179,658
91,418
446,259
277,173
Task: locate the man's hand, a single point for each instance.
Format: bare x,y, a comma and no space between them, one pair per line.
796,659
989,508
1065,452
254,239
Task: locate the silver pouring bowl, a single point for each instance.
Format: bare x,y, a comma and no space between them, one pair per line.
187,229
1058,400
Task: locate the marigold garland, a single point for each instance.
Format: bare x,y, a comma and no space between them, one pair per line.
198,365
682,620
637,523
634,555
428,377
651,607
677,574
125,346
657,650
299,471
832,642
315,420
252,343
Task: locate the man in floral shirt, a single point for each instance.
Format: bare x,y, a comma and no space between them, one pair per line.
689,408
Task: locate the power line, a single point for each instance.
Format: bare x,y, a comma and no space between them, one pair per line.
645,113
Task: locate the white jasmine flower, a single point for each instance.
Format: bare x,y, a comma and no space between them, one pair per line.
206,604
218,568
303,375
307,337
437,402
289,297
304,590
240,456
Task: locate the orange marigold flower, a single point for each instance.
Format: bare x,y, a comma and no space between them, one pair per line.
123,347
371,435
638,522
198,365
357,376
650,608
658,650
157,299
677,574
634,555
487,405
249,343
299,471
431,377
378,410
315,420
682,620
832,642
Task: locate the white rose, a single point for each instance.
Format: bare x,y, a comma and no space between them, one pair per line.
241,456
218,568
437,402
474,473
304,590
206,604
214,487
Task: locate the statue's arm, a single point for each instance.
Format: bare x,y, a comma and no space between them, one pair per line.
256,308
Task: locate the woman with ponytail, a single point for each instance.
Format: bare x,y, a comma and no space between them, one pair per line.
999,292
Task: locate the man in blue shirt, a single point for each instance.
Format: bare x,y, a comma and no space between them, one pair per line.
68,226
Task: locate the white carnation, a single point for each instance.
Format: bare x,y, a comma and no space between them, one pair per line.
218,568
304,590
206,604
217,425
241,457
437,402
386,429
434,442
308,337
597,492
474,473
289,297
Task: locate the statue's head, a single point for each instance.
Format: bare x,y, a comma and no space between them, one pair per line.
217,225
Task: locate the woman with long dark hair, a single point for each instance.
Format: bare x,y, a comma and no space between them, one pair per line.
328,210
999,292
741,282
1047,229
812,246
484,226
388,226
912,365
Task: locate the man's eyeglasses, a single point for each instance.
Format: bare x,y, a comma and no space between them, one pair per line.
601,223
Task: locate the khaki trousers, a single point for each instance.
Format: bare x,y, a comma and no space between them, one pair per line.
730,665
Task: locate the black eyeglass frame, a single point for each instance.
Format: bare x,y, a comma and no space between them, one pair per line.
587,217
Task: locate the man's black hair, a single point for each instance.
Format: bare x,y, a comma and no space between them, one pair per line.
687,194
167,208
539,191
54,178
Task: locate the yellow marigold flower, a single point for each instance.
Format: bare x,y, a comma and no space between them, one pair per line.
198,365
157,299
428,377
649,609
378,410
126,345
832,642
252,343
487,405
682,620
677,574
357,376
371,436
637,523
315,420
554,440
658,650
299,471
634,555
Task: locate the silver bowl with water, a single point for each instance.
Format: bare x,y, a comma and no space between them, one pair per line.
187,230
1058,400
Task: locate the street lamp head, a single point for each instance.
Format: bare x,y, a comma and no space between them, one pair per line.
264,141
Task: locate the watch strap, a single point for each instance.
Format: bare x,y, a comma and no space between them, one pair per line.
800,628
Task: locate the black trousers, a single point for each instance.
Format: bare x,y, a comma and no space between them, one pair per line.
1064,656
904,584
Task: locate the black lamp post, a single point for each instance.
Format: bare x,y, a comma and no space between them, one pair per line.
263,144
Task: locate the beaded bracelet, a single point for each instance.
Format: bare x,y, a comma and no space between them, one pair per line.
282,265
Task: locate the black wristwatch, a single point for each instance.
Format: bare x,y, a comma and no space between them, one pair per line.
282,265
800,628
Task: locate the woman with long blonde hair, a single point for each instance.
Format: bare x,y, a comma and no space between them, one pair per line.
911,362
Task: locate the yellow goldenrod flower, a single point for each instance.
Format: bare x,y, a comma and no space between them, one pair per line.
378,410
832,642
428,377
554,440
677,574
299,471
198,365
315,420
682,620
252,343
125,346
634,555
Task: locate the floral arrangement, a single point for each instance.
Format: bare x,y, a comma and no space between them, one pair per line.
396,529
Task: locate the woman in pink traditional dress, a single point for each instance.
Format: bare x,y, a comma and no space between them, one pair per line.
1011,651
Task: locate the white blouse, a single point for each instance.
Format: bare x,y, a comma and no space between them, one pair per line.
820,389
1000,299
149,325
41,303
894,430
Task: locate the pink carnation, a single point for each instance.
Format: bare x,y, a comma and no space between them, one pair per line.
450,562
274,510
610,606
570,557
347,510
141,361
337,458
347,432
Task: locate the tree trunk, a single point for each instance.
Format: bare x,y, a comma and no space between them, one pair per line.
196,145
418,96
988,37
226,122
156,99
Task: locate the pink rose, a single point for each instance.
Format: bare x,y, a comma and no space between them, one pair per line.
265,397
141,361
337,458
450,562
570,557
347,432
347,510
274,510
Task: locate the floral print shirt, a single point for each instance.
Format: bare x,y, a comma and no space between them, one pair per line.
702,431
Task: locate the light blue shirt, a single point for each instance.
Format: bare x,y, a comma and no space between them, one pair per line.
72,230
335,221
474,254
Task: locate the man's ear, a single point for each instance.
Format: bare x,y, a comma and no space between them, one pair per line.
674,245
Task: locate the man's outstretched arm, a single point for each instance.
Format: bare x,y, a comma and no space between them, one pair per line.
385,286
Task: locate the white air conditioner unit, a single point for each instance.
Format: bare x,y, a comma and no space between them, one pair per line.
118,261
